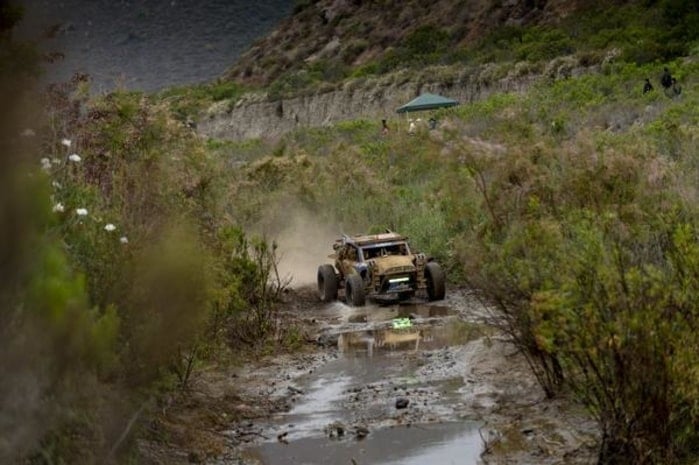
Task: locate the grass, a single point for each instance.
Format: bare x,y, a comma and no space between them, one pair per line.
186,102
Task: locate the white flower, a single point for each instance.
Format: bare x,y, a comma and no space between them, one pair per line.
81,211
58,208
66,142
45,164
74,157
109,227
124,240
29,132
56,161
56,184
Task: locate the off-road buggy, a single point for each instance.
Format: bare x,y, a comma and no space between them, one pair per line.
381,267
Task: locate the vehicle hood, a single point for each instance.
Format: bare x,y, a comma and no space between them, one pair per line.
394,264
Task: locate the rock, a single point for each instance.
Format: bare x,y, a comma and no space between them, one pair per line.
327,340
361,431
402,402
194,457
335,429
294,390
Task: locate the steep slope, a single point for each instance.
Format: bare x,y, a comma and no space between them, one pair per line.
334,60
351,33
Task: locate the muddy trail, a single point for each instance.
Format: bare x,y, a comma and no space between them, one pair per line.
414,383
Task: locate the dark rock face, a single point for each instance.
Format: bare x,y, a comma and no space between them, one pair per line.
402,402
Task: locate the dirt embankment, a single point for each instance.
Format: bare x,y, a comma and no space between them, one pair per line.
467,373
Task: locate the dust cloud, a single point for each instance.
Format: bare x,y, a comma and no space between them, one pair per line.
304,243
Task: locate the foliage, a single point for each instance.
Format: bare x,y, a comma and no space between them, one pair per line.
579,252
290,84
313,77
255,266
121,282
188,101
425,40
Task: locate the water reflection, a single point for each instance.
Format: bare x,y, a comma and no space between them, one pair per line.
418,337
380,362
443,444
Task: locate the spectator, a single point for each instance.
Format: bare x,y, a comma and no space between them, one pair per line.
411,127
666,79
384,127
676,88
433,123
647,87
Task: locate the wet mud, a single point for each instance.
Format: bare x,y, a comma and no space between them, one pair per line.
442,387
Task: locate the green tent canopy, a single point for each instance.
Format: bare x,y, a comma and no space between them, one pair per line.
427,102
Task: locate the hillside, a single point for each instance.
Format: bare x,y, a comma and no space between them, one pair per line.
329,40
335,61
336,37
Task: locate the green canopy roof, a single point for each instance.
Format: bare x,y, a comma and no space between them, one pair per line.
427,102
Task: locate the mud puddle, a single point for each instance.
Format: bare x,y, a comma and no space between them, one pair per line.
444,444
383,314
389,396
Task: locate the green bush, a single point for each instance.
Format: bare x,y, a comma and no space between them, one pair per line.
585,275
327,70
544,44
125,284
187,102
425,40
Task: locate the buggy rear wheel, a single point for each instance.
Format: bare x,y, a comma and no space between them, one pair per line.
327,283
435,281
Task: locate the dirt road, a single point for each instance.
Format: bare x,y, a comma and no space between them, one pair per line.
445,389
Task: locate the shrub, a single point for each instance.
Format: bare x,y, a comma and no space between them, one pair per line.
544,44
353,50
425,40
584,273
121,297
